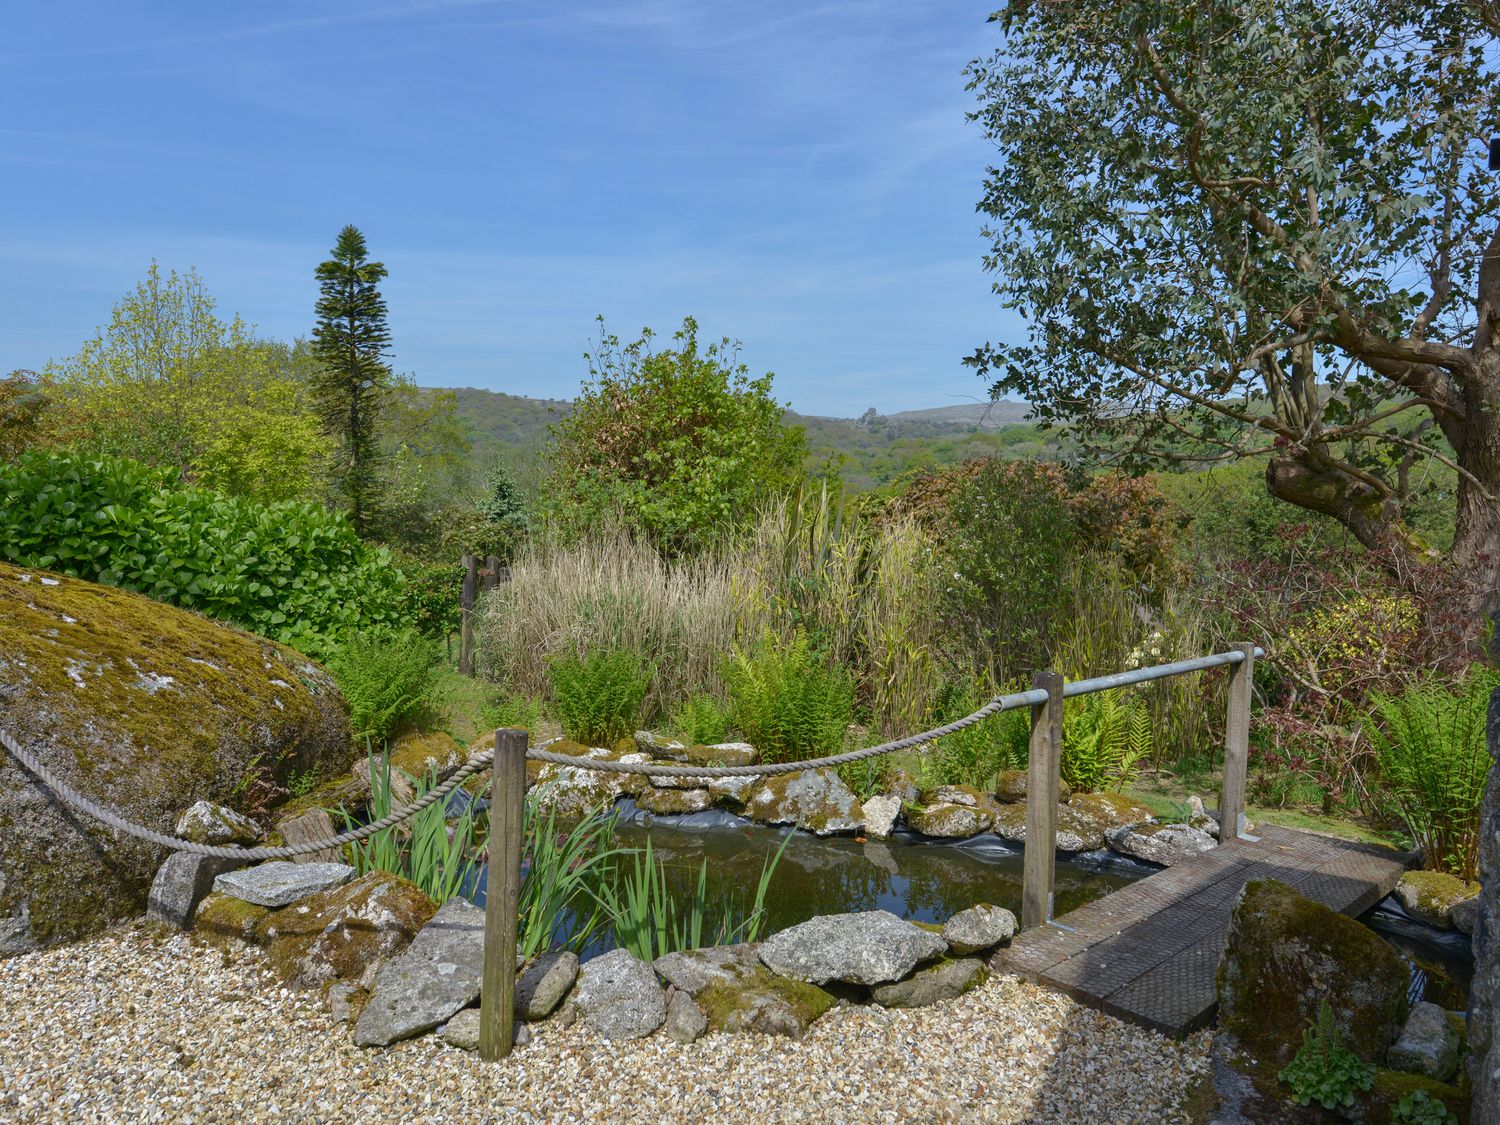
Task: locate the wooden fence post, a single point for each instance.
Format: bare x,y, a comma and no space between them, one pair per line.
1237,746
491,573
466,616
1042,764
497,989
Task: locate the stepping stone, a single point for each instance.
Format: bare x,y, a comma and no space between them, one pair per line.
869,947
281,884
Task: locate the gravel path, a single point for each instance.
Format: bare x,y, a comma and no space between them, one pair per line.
139,1026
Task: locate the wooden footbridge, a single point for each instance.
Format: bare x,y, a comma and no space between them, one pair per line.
1149,952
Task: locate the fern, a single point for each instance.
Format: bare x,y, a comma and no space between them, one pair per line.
388,682
598,698
1430,744
977,753
786,702
701,719
1105,737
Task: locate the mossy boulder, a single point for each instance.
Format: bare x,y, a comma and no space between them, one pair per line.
1287,955
336,935
1109,810
223,919
1377,1106
758,1000
576,792
674,802
1010,787
947,820
815,800
1430,896
418,755
146,709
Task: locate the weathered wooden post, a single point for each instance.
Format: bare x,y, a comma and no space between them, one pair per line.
491,573
1043,760
466,616
497,989
1237,745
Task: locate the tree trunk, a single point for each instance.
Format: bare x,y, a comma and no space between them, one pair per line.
1302,478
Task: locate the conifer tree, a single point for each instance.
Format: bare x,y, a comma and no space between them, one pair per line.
351,342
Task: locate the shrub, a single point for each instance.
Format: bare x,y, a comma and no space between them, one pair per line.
289,571
702,719
389,681
1105,737
1421,1108
977,753
788,704
680,444
429,600
1430,743
598,698
1324,1070
507,709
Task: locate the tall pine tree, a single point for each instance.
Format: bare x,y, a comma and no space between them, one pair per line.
350,342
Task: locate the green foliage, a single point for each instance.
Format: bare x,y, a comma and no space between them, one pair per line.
789,704
502,504
560,865
289,571
508,710
168,383
1324,1070
679,444
977,753
1430,744
650,922
701,719
598,698
27,404
424,475
1105,738
436,856
389,681
1011,540
350,342
1421,1108
430,595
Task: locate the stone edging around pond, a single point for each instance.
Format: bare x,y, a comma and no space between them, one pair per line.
395,968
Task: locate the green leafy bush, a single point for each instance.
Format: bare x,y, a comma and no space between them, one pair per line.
598,698
389,681
701,719
1324,1070
506,709
977,753
1430,743
1105,738
1421,1108
429,600
787,702
289,571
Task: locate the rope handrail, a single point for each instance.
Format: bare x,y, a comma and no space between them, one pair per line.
484,758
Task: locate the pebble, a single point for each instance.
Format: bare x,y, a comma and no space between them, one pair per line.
142,1025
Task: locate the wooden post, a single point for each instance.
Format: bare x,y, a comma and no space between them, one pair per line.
1043,760
491,573
466,616
497,989
1237,746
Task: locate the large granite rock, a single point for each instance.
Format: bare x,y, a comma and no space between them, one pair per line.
1011,787
686,1022
1431,896
1166,844
1285,956
870,947
543,982
674,802
1075,831
576,792
815,800
978,928
280,883
144,708
757,1000
437,976
181,884
619,997
207,823
335,935
953,812
1105,811
1484,992
880,816
695,969
943,981
1430,1042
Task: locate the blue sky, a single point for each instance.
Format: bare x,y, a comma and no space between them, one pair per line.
797,175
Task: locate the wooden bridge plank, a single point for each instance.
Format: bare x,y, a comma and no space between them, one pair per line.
1150,951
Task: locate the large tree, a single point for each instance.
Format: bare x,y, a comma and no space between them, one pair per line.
351,342
1259,228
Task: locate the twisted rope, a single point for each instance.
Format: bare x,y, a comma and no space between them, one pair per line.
478,762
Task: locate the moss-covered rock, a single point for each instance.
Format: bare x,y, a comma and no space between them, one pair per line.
815,800
949,821
1110,810
223,919
1377,1106
146,709
336,935
576,792
1430,896
417,755
758,1000
674,802
1010,787
1286,956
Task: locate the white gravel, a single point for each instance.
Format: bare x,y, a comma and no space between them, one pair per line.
139,1026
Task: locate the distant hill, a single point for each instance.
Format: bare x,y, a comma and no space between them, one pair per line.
867,452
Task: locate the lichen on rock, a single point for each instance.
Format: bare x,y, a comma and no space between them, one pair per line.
145,708
815,800
1430,896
